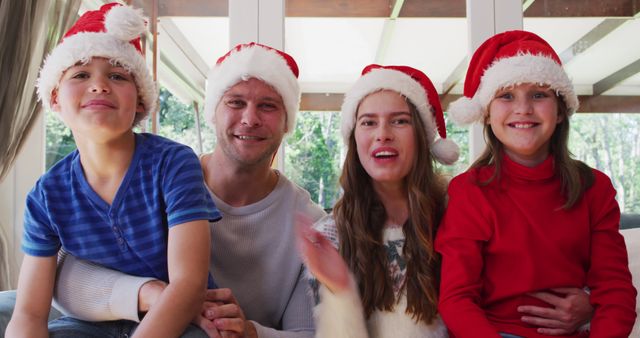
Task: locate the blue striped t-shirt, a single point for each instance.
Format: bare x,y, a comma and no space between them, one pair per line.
163,187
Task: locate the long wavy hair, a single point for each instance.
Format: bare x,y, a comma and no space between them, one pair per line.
360,218
576,176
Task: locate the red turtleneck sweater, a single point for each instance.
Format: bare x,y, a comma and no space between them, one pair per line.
512,237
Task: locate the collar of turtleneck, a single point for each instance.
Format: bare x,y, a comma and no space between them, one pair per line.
542,171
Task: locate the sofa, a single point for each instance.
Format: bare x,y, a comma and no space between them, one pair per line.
632,241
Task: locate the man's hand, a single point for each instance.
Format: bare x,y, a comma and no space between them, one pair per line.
569,312
223,310
149,293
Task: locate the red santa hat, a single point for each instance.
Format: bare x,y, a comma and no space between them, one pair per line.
508,59
112,32
253,60
415,86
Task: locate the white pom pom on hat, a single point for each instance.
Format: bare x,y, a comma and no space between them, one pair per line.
417,88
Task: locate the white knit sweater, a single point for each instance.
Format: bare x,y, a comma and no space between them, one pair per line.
342,315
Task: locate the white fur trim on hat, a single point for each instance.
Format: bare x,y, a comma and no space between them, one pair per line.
390,79
505,72
253,62
82,47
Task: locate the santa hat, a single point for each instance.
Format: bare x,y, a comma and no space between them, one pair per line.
415,86
253,60
508,59
112,32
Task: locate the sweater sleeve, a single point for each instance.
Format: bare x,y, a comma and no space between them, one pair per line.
460,240
612,293
340,315
90,292
336,315
297,319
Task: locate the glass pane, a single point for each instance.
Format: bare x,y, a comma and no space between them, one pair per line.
177,122
611,144
314,155
59,141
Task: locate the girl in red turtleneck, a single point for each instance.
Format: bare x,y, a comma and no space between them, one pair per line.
527,217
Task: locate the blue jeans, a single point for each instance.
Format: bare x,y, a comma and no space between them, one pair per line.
62,326
67,327
508,335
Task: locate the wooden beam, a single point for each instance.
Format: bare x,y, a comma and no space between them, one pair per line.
588,103
375,8
609,104
612,80
338,8
434,9
581,8
321,102
596,34
186,8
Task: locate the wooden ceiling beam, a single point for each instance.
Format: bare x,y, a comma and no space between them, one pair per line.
588,103
612,80
581,8
596,34
410,9
186,8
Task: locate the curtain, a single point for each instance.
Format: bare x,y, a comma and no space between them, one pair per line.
28,31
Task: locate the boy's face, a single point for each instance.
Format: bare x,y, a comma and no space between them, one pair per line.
97,99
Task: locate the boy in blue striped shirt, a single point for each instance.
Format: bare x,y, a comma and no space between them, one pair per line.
130,202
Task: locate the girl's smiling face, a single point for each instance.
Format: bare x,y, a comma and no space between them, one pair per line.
523,118
385,137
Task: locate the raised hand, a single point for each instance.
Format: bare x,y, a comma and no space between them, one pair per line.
321,258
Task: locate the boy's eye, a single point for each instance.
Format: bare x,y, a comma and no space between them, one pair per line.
505,96
235,103
80,75
367,123
119,76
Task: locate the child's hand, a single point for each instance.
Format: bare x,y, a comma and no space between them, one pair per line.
205,323
570,311
322,259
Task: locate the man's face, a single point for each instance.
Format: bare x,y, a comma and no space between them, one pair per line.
250,122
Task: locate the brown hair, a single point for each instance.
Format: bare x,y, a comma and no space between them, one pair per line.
576,176
360,219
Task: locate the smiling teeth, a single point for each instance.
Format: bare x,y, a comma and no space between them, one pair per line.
522,125
384,153
242,137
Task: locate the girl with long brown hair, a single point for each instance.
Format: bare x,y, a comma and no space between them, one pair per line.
385,222
527,216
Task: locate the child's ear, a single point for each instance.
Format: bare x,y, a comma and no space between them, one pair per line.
140,107
55,106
